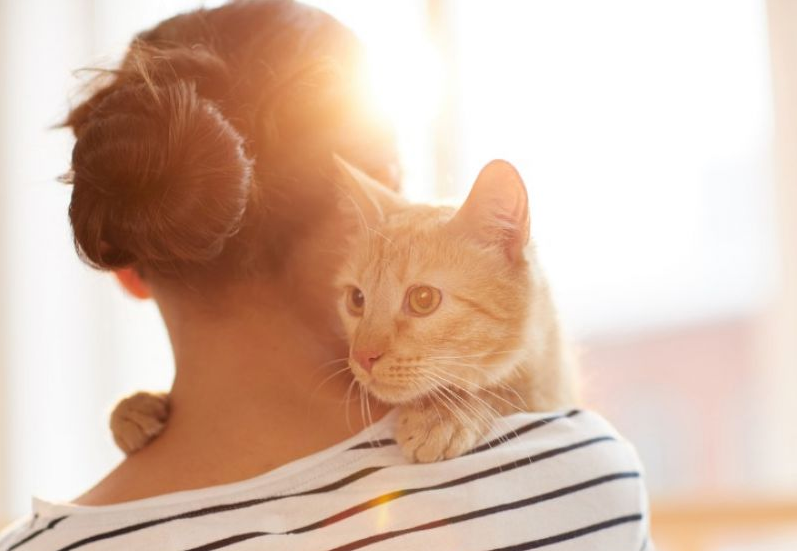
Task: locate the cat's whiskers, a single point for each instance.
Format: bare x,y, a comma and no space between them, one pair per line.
442,385
348,402
427,387
489,422
509,388
326,380
450,405
434,404
366,398
362,403
497,384
473,409
497,414
475,419
446,402
368,407
484,389
493,430
332,362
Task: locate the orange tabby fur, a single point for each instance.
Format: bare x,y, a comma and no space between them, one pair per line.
493,345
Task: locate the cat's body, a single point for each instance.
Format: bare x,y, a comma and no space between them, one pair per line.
447,314
490,347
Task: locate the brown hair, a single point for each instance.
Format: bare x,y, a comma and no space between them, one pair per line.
211,146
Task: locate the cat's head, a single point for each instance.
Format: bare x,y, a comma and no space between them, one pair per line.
433,297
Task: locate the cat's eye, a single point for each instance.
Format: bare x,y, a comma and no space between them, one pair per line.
355,301
423,300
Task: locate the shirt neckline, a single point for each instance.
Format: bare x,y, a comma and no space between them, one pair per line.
277,479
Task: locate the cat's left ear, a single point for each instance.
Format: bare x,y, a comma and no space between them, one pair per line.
496,211
371,199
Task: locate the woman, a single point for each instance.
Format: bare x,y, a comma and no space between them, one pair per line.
202,177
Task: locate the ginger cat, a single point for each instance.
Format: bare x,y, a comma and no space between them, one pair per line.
447,313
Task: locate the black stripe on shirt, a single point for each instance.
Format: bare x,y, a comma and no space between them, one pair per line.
547,496
370,444
245,504
232,540
533,544
391,496
486,446
521,430
52,524
559,538
506,467
218,509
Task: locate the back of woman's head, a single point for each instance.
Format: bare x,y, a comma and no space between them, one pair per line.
209,151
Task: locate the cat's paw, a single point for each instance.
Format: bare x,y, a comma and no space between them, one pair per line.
426,435
139,418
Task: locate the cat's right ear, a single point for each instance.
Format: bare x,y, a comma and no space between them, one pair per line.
370,200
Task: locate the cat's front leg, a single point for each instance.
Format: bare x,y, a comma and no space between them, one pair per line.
433,430
139,418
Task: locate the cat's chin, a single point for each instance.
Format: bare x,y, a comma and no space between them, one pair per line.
392,394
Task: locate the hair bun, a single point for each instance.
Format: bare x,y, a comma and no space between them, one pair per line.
160,179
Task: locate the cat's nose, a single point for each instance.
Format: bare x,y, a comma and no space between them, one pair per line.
366,358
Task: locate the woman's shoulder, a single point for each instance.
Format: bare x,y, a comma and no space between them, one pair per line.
576,436
536,479
7,534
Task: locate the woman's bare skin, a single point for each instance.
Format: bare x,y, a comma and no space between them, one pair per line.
249,392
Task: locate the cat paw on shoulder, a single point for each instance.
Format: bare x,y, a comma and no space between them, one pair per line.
426,435
138,419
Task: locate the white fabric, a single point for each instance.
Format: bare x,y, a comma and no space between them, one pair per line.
561,481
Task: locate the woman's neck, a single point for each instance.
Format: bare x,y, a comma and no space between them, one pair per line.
251,393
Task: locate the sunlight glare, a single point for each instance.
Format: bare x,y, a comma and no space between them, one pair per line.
404,79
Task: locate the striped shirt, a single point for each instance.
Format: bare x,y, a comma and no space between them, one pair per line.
559,481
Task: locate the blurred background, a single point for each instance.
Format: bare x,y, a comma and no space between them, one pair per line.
658,140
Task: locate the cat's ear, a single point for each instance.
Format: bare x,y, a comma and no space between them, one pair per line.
372,201
496,211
